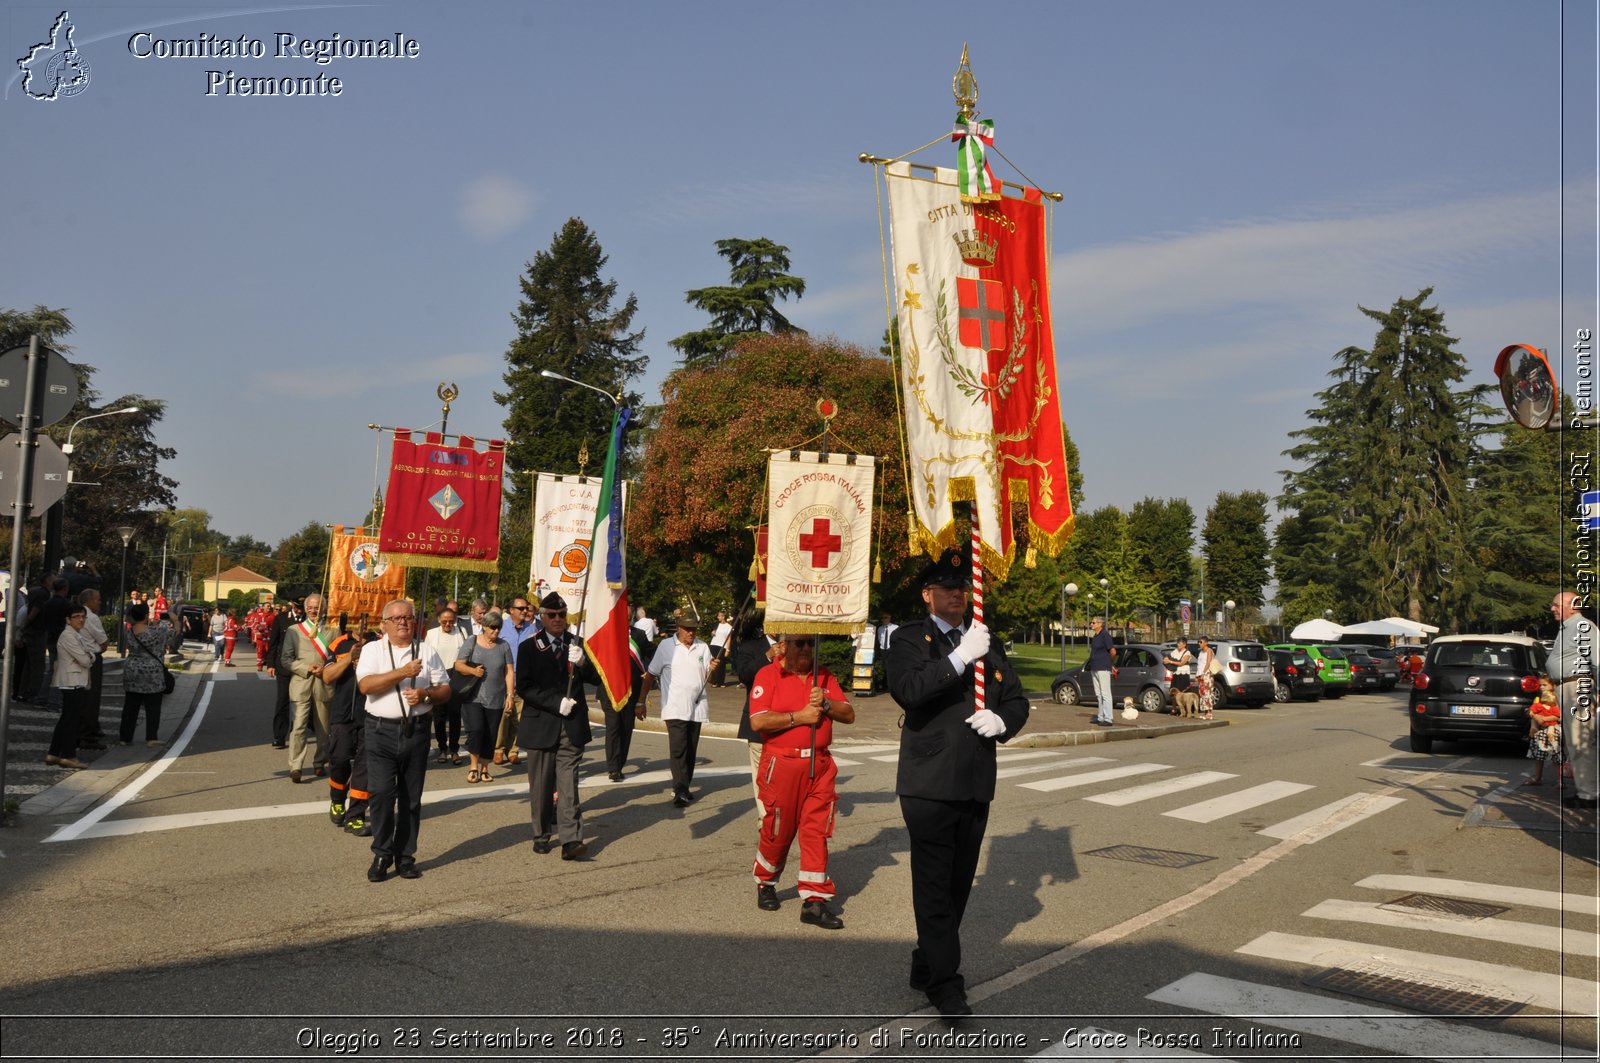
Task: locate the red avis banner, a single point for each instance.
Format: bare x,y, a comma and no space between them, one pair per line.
443,506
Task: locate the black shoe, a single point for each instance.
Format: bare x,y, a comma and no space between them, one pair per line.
615,776
953,1005
408,870
358,826
336,814
280,745
690,796
767,898
680,801
379,870
819,914
574,851
543,845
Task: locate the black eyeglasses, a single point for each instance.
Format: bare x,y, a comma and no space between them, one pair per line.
555,614
401,619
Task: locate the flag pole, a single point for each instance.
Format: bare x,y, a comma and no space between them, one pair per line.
977,606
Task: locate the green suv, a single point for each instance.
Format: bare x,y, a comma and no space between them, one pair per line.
1330,662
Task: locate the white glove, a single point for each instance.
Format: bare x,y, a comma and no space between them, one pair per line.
974,644
987,723
568,703
574,654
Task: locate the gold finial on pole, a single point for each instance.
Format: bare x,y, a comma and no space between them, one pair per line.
447,394
583,458
965,86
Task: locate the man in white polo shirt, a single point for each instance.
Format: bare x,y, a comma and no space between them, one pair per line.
680,667
402,678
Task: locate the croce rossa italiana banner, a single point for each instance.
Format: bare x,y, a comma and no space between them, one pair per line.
819,543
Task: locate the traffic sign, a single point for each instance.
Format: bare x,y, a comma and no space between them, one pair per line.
49,474
58,396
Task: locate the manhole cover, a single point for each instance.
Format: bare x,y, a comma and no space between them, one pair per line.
1140,854
1389,985
1427,902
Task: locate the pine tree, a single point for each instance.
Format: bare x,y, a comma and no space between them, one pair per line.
759,270
566,324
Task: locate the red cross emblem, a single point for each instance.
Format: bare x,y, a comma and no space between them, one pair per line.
982,314
821,541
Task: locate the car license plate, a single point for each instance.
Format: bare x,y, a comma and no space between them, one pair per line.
1472,710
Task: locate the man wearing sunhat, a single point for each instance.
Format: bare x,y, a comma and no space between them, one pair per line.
551,671
947,765
680,667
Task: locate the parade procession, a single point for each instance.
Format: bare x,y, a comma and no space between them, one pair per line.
911,645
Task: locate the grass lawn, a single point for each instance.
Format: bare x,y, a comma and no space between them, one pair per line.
1037,666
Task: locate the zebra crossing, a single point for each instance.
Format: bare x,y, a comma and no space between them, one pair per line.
1055,771
1451,983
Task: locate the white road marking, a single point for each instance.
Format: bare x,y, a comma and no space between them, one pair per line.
1403,762
1506,931
1343,1020
1006,755
863,748
1149,790
1490,979
1484,891
1324,817
846,762
517,786
890,759
1217,807
1063,763
1051,785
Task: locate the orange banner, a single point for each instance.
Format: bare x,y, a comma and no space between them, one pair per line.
360,578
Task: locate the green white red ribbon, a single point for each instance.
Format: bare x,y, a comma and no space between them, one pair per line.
973,176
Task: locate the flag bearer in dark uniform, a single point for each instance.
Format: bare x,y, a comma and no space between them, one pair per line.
947,766
551,671
347,751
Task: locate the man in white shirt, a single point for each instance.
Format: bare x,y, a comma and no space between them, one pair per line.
646,626
721,638
680,667
402,679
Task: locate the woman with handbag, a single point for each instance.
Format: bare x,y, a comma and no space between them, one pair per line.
1206,669
74,658
144,676
483,682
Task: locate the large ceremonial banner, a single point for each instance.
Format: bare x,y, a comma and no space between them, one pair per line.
361,580
604,617
443,503
978,367
563,532
819,543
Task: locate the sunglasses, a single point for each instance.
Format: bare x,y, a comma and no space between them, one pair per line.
520,608
802,642
555,614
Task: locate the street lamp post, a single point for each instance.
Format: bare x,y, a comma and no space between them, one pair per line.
66,448
1070,590
166,587
1106,594
122,595
1227,618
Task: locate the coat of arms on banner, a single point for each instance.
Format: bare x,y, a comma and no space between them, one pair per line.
819,527
367,563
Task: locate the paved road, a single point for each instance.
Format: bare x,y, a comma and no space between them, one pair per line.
1166,886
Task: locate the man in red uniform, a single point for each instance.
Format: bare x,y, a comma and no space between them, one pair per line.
793,709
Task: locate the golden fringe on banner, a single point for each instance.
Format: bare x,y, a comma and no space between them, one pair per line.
995,564
814,627
459,564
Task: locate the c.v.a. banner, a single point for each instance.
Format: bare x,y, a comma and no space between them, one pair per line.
443,504
819,542
978,367
563,532
360,578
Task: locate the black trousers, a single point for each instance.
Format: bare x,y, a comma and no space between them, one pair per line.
347,768
64,740
396,767
481,724
91,709
282,709
447,726
945,839
683,742
619,738
131,704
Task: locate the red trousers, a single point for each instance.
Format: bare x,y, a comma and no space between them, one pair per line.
794,802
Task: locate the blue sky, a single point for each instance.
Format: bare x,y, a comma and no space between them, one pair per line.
1238,177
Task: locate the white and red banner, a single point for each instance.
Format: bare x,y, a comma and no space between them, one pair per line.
819,542
563,532
442,509
361,580
978,366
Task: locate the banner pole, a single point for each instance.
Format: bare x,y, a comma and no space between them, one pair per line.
977,606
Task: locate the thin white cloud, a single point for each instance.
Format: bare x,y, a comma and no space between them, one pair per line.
1306,264
303,385
494,205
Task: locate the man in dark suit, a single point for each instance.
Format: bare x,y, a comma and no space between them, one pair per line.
551,670
947,766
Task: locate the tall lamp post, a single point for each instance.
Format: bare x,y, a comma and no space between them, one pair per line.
122,595
1106,594
1227,618
1068,591
165,587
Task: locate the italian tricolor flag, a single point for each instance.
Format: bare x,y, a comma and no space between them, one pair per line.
604,624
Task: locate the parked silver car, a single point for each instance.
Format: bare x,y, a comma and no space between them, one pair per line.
1246,677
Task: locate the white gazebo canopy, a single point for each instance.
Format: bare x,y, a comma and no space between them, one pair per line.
1317,630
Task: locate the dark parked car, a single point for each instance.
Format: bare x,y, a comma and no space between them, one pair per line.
1475,687
1385,658
192,624
1139,674
1364,675
1295,676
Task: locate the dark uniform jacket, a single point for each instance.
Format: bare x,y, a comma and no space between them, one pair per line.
749,657
276,632
941,756
542,683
